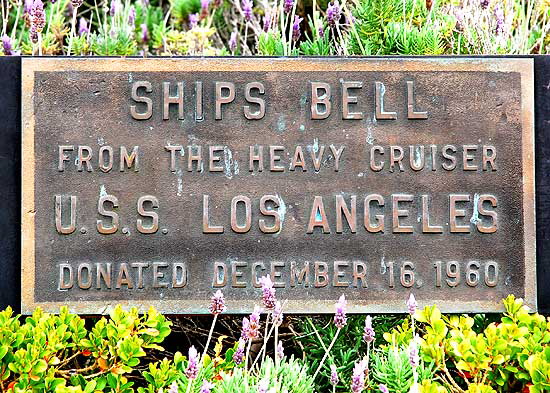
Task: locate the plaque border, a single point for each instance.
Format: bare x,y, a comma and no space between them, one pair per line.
30,65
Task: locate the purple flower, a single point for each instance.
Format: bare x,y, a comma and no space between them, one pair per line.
193,21
383,388
267,21
277,314
268,292
34,34
217,306
358,377
340,318
233,42
38,17
334,379
254,323
113,9
499,16
144,33
193,364
368,334
6,45
204,6
28,6
247,6
263,386
238,355
173,388
333,13
280,350
321,32
296,28
287,5
206,387
132,16
411,305
83,26
414,359
484,3
245,331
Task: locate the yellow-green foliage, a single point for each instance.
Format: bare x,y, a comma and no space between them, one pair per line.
505,356
56,353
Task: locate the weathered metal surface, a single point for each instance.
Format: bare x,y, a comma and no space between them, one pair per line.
465,225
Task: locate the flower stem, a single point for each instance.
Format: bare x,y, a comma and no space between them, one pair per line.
209,336
247,354
73,24
39,44
326,354
266,336
189,384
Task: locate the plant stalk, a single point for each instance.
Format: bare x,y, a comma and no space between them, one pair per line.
209,336
326,354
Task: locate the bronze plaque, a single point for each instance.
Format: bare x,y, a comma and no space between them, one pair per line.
157,181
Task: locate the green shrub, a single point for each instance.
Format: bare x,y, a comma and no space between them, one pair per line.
56,353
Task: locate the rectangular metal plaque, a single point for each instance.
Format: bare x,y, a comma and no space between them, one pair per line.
157,181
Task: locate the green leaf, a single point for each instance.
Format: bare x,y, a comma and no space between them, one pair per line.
39,367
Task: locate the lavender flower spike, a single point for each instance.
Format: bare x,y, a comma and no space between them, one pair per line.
333,13
144,33
254,323
368,334
247,6
287,5
412,305
193,21
113,9
206,387
383,388
358,377
414,359
263,386
233,42
192,369
83,27
334,379
280,350
268,292
267,20
38,17
499,16
217,306
238,356
132,16
245,331
6,45
296,28
277,314
28,6
340,318
173,388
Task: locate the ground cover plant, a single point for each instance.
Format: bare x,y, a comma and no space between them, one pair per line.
424,351
274,27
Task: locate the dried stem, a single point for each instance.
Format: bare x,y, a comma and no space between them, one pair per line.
73,24
326,354
209,336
